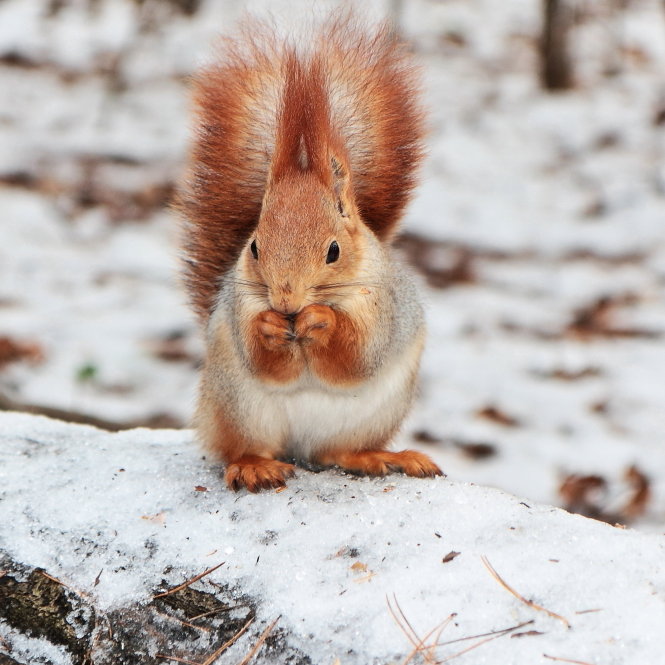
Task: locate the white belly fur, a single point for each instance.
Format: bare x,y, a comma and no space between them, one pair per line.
308,416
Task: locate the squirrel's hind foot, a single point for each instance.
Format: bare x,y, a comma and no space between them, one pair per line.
257,473
382,462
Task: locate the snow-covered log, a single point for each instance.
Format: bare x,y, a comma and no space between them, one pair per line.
96,527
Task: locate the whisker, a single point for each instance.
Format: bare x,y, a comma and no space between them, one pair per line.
340,285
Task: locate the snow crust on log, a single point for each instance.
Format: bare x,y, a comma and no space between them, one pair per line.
145,507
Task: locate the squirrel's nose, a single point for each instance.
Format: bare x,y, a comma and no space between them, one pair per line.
286,301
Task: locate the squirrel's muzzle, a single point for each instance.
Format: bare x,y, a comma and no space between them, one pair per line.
286,300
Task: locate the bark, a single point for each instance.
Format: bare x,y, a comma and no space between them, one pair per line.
35,605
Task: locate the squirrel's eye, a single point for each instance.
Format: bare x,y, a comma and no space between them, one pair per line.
255,252
333,252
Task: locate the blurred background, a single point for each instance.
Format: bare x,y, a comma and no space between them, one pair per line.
537,234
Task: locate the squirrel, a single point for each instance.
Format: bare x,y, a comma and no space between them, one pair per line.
299,171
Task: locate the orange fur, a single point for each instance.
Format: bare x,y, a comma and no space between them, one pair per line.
262,103
274,355
257,473
382,462
335,351
219,431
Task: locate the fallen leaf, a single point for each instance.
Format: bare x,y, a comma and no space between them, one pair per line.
201,488
476,450
641,487
423,436
12,350
494,414
359,567
450,556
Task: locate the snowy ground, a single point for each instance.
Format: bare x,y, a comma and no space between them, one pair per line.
546,280
118,518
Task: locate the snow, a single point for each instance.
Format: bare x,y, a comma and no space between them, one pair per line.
75,500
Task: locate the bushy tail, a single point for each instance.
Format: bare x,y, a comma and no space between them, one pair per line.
264,104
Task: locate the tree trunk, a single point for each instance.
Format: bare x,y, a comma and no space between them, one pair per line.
555,72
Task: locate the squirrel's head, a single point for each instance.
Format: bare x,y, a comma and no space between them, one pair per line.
309,241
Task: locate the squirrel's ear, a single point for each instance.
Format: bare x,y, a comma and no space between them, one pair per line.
341,185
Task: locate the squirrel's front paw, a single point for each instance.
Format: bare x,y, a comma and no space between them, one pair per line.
315,323
274,329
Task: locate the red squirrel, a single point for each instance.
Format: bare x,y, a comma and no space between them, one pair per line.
302,163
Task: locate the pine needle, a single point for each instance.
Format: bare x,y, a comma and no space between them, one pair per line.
217,611
490,634
517,595
567,660
176,659
212,658
183,622
260,641
403,623
81,594
429,650
184,585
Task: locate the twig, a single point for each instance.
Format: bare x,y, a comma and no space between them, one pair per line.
567,660
176,659
263,637
510,589
212,658
184,585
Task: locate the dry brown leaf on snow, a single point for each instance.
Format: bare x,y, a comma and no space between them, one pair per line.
450,556
641,486
496,415
12,350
